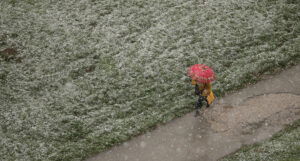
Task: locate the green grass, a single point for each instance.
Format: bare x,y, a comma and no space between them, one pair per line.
83,75
283,146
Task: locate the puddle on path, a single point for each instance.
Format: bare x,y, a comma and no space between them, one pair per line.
219,131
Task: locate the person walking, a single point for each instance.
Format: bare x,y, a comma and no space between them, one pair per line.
202,76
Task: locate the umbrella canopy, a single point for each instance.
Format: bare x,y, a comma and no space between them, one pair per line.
201,73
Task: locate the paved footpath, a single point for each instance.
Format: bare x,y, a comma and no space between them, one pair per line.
245,117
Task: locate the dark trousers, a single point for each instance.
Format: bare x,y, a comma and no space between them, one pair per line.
199,102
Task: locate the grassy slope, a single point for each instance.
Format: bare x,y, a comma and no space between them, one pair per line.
90,74
284,146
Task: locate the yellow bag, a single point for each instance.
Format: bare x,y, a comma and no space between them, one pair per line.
210,98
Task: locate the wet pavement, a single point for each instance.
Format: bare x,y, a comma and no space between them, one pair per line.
244,117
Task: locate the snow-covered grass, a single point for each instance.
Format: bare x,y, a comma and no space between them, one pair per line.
78,76
284,146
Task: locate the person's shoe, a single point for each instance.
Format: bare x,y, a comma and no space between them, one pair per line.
207,105
197,113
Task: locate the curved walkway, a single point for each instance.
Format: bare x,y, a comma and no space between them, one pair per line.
245,117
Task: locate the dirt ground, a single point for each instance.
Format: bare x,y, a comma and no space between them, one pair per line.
244,117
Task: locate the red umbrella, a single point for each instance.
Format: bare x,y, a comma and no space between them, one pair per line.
201,73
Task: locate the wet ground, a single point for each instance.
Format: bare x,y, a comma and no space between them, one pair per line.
245,117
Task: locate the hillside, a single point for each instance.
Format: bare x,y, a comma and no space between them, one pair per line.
78,76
